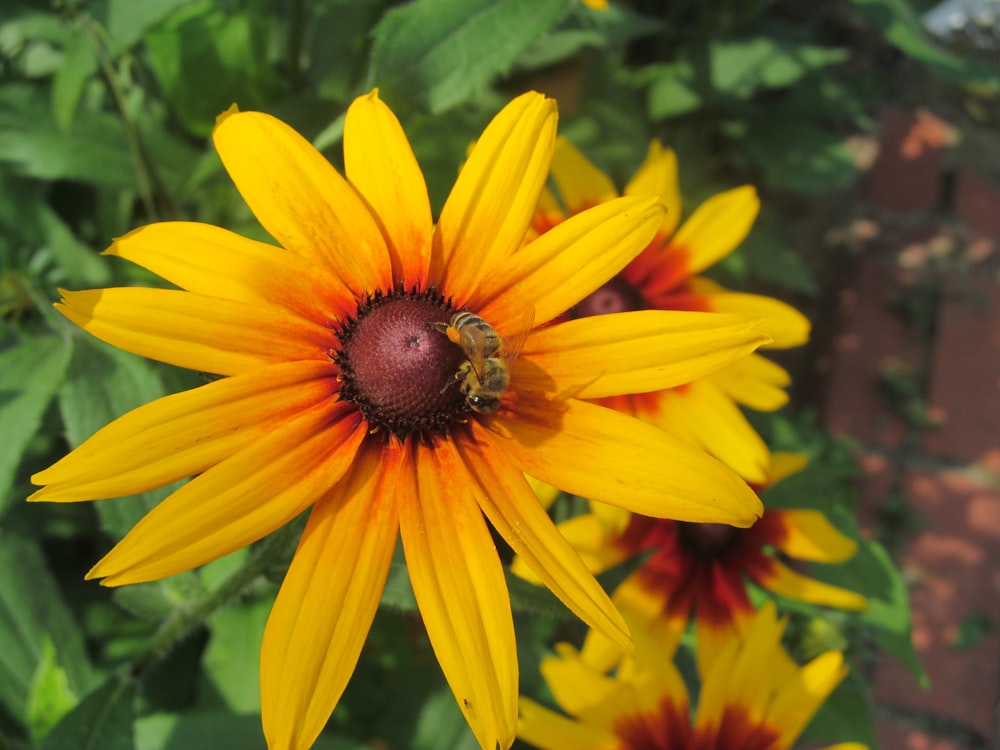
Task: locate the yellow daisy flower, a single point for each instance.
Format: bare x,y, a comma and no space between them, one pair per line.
754,697
701,571
351,385
664,277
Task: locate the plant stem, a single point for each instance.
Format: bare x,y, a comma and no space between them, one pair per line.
144,179
272,549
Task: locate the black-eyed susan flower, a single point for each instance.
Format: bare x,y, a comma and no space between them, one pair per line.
753,697
347,389
665,277
702,571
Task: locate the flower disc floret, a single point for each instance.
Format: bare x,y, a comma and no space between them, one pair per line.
396,368
617,295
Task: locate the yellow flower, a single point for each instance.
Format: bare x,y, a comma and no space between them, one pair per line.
701,571
754,697
341,392
664,277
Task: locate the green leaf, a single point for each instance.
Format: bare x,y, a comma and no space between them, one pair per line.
206,59
50,697
211,730
336,47
102,721
741,68
33,614
128,21
846,716
78,65
439,53
971,630
80,263
32,144
104,383
671,91
902,27
798,155
156,600
872,573
398,593
30,374
442,726
772,260
232,658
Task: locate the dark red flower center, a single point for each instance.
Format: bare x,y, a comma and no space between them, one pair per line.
615,296
397,368
709,541
670,729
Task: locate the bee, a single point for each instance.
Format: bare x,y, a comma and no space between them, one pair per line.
485,375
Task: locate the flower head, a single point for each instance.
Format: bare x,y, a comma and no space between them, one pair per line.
665,277
754,697
349,385
702,571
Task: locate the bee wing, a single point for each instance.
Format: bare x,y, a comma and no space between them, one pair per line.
473,343
517,334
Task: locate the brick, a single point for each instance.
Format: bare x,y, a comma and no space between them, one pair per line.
874,487
893,736
870,337
965,370
977,203
953,564
906,175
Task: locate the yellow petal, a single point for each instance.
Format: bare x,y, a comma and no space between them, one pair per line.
460,588
545,493
596,452
491,205
784,465
632,352
707,417
380,164
810,536
512,508
578,688
586,535
576,257
327,602
215,262
716,227
301,200
746,671
653,672
185,433
580,184
784,581
658,176
548,730
549,211
753,381
240,500
199,332
782,322
795,706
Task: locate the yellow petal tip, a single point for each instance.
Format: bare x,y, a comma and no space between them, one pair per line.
233,109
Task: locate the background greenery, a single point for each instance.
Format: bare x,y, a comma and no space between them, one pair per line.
105,111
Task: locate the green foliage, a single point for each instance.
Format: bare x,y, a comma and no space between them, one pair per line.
103,720
437,53
106,111
902,27
21,410
42,655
